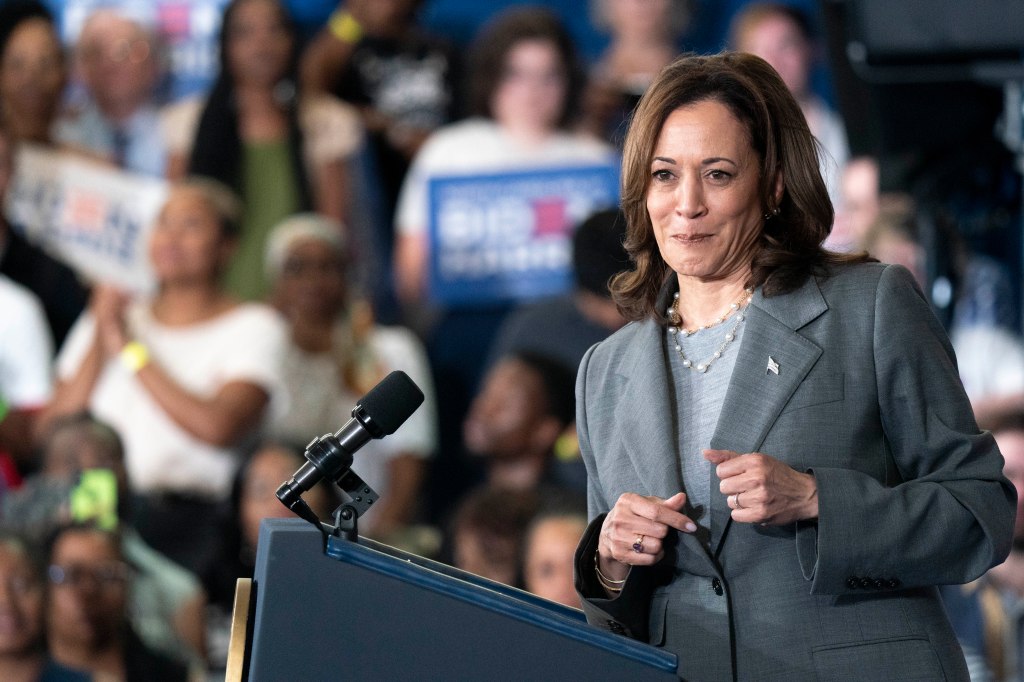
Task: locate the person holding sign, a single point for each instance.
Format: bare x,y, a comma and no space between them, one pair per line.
782,461
185,377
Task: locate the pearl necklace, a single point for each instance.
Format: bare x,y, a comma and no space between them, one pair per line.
738,307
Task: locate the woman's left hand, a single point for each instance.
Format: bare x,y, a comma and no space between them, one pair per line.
761,489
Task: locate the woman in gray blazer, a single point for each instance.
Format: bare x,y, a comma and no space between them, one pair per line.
782,461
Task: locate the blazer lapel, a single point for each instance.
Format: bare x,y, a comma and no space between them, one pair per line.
772,362
648,416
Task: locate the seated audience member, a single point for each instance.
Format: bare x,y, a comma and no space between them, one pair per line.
487,533
23,653
336,355
280,151
988,614
118,61
185,377
782,36
564,328
548,555
32,71
644,39
26,354
253,499
166,602
87,626
526,403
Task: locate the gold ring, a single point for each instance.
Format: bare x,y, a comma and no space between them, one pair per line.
638,545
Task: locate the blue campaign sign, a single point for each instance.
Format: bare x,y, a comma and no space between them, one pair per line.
507,236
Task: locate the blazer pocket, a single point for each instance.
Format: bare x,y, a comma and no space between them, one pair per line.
659,607
900,658
817,390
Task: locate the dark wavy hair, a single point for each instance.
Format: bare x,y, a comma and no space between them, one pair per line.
789,248
217,148
491,48
14,13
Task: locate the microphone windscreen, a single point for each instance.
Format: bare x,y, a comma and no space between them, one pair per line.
392,401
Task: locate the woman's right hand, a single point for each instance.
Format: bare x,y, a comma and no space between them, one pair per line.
634,532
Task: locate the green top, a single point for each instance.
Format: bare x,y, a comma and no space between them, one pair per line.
271,193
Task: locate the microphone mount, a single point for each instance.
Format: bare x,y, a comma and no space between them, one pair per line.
333,460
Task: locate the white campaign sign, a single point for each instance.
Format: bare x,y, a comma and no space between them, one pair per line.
88,214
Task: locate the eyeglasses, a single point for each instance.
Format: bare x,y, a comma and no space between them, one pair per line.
105,576
119,51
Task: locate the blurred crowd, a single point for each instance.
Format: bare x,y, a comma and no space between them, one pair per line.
294,265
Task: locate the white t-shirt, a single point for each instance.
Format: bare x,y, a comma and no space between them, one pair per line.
478,146
990,361
318,403
243,344
26,350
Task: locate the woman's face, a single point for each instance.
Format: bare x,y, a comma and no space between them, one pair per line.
533,87
187,243
32,71
259,44
87,602
703,193
312,281
21,602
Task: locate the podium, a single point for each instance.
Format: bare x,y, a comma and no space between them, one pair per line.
344,610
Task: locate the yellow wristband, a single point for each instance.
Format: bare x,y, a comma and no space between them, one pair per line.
345,28
134,356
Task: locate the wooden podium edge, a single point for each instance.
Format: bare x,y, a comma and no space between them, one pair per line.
238,645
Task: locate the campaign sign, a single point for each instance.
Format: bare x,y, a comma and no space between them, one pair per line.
508,237
88,214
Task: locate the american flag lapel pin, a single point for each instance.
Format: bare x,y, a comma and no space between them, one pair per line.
773,366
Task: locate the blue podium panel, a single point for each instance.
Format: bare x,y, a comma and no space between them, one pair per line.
365,611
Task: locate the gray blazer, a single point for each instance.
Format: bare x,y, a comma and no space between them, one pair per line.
911,494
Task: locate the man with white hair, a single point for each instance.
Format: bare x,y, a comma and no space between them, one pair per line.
117,61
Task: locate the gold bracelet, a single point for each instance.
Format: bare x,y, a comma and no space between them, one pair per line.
134,356
606,582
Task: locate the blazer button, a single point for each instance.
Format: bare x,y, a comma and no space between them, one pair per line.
893,583
716,585
881,584
616,627
853,583
867,583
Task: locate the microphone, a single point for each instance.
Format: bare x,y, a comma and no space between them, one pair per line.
377,414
